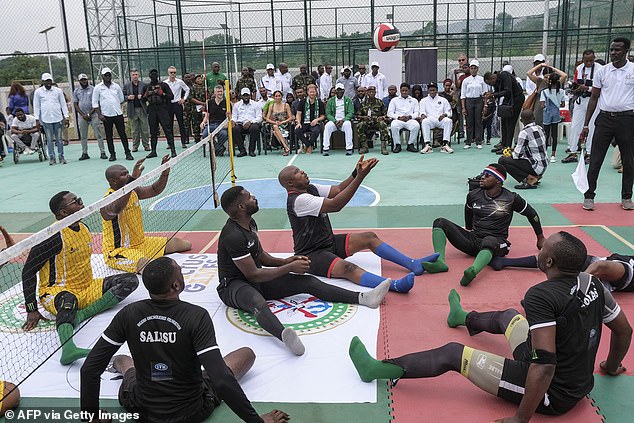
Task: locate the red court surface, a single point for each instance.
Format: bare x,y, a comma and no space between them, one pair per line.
417,321
611,214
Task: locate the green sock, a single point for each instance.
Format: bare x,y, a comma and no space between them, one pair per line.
369,368
108,300
439,241
457,316
70,352
482,259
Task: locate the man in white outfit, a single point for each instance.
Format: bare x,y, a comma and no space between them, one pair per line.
376,79
404,112
584,73
435,112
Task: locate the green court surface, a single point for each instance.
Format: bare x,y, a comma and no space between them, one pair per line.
414,190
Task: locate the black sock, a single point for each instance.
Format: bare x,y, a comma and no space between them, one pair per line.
430,363
499,263
489,321
269,322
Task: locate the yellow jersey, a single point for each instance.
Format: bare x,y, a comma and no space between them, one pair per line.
125,230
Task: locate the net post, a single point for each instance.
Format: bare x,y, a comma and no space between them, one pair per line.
230,133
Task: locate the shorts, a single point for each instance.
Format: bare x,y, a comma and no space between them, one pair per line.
512,385
85,296
627,281
129,401
127,258
322,261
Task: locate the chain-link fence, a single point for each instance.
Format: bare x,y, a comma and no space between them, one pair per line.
147,34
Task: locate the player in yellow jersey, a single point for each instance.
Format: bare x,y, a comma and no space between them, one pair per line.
67,287
9,397
125,245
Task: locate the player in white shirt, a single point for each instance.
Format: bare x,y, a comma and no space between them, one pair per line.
435,111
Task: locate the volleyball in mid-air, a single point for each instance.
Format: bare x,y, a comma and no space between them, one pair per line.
386,37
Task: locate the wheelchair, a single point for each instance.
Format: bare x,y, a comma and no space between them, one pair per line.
39,147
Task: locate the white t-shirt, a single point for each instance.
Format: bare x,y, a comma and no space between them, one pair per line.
310,205
617,87
29,122
340,109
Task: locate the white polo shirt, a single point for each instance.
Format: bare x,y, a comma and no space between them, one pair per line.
473,87
400,106
109,99
434,107
617,87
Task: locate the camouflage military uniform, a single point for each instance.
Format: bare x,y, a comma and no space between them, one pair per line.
245,83
194,117
374,108
302,81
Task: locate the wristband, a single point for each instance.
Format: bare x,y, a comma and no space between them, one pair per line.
30,307
354,173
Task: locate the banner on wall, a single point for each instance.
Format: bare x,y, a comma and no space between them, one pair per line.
421,66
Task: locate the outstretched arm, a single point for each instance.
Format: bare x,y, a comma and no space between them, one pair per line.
91,371
522,207
620,339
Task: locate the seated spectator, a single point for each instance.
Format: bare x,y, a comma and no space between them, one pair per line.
25,132
391,93
310,113
339,114
290,98
18,99
279,116
530,156
247,116
358,99
404,111
214,116
417,92
435,112
372,118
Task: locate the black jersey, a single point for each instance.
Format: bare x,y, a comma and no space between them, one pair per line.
625,284
577,307
488,216
169,340
310,233
236,243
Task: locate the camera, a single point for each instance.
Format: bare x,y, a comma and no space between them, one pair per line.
582,83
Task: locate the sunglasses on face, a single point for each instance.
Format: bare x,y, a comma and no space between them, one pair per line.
77,200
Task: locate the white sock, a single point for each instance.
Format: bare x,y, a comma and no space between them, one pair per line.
292,341
374,297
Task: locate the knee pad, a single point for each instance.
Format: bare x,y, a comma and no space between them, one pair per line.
66,305
440,223
517,331
121,286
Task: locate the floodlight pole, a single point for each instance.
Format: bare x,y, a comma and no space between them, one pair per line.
48,50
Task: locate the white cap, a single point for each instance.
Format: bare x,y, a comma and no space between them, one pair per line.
82,76
105,71
539,58
46,76
339,86
244,91
346,67
474,62
270,66
508,68
375,64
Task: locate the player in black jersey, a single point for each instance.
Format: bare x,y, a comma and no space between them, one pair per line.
615,271
488,215
554,347
169,340
246,285
308,206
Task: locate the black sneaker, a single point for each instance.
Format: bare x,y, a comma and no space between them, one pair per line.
571,158
241,154
525,185
411,148
348,152
112,158
103,156
397,148
128,156
151,155
84,157
252,153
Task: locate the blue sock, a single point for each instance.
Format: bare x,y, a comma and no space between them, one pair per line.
404,284
371,280
390,253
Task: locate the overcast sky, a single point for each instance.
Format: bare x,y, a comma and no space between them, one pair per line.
18,32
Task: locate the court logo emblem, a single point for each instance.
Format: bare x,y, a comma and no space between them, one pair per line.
13,316
303,313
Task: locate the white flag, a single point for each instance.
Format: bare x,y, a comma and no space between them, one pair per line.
580,176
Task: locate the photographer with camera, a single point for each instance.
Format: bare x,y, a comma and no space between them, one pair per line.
581,87
159,96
